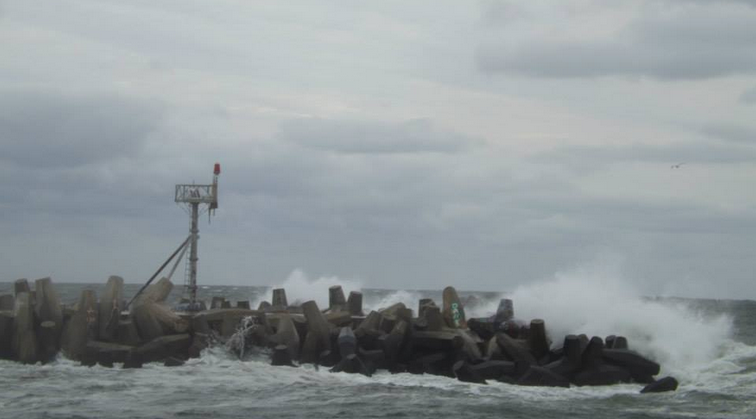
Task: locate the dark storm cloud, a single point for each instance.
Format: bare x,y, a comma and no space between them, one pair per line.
363,137
694,41
52,130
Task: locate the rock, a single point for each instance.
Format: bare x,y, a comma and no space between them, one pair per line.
539,376
464,373
354,303
661,385
110,309
453,312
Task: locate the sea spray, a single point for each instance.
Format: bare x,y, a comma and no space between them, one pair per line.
680,338
300,288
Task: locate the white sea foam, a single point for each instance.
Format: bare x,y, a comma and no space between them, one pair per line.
598,303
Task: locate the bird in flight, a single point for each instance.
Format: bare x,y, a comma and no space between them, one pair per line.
676,166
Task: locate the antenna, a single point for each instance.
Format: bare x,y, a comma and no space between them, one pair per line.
192,197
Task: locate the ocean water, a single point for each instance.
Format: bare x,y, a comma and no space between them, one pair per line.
708,345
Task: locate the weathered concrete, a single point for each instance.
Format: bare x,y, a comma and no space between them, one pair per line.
6,334
286,334
243,304
339,318
165,346
127,333
7,301
21,285
505,311
602,375
464,373
492,370
108,352
453,312
539,376
433,318
336,299
347,342
539,344
157,292
641,369
217,302
279,298
111,306
318,333
661,385
439,341
281,356
81,327
515,350
24,337
354,303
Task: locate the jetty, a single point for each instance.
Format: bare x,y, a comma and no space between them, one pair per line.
434,338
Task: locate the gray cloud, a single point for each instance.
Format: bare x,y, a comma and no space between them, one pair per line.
695,41
56,130
593,158
366,137
749,96
730,132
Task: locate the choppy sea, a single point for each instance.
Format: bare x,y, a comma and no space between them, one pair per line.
708,345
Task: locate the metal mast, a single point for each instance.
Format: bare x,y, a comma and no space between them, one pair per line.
194,196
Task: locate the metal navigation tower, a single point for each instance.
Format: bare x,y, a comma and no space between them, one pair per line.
193,196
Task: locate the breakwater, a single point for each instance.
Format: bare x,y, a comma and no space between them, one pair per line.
436,339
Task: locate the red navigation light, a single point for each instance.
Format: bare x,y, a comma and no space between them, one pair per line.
217,169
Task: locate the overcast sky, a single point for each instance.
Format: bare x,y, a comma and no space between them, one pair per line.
407,144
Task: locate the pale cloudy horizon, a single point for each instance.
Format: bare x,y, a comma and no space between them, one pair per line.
486,145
